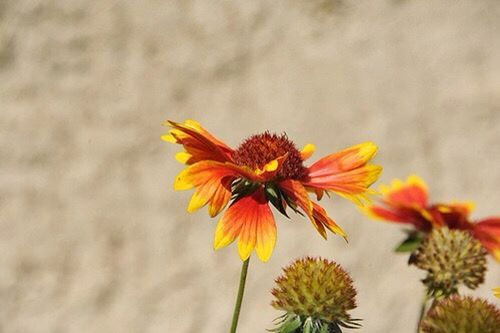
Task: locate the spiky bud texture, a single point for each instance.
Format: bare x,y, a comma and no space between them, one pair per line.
451,258
462,315
316,295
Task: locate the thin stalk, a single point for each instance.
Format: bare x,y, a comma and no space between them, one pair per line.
422,313
239,298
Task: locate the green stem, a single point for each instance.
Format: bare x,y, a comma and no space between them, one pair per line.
422,313
239,298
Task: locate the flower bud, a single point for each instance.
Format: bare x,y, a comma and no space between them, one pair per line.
462,315
316,295
451,258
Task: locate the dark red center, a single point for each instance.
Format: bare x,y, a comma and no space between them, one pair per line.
260,149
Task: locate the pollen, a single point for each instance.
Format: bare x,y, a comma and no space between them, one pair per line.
259,149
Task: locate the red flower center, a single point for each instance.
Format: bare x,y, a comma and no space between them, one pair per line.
260,149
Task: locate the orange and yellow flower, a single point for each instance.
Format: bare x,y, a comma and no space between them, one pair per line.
265,168
407,203
496,292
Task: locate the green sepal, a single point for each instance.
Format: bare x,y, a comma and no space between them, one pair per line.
242,188
324,329
335,328
288,323
308,326
353,323
291,325
275,196
411,243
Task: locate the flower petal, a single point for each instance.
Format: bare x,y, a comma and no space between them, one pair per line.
169,138
346,172
487,231
298,193
454,216
247,237
321,217
197,142
183,157
221,197
421,219
496,292
307,151
266,236
212,181
412,193
271,168
251,221
344,160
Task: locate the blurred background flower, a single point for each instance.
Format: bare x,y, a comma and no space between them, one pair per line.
407,203
451,258
459,314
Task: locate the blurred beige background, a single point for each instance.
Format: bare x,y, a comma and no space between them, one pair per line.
93,237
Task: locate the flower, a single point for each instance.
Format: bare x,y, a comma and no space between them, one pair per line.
496,292
451,258
407,203
316,294
458,314
265,168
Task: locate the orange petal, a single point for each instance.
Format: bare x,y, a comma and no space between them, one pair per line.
266,235
221,197
381,213
247,237
251,221
212,181
345,160
346,172
322,218
199,144
420,219
487,232
297,192
412,193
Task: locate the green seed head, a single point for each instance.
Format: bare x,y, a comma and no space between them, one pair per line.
462,315
451,258
316,295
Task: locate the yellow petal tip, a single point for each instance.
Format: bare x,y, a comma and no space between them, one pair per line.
169,138
181,183
307,151
183,157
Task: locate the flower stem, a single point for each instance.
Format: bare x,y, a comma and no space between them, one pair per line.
239,298
422,313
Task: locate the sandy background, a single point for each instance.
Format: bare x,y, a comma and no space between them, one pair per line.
93,237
